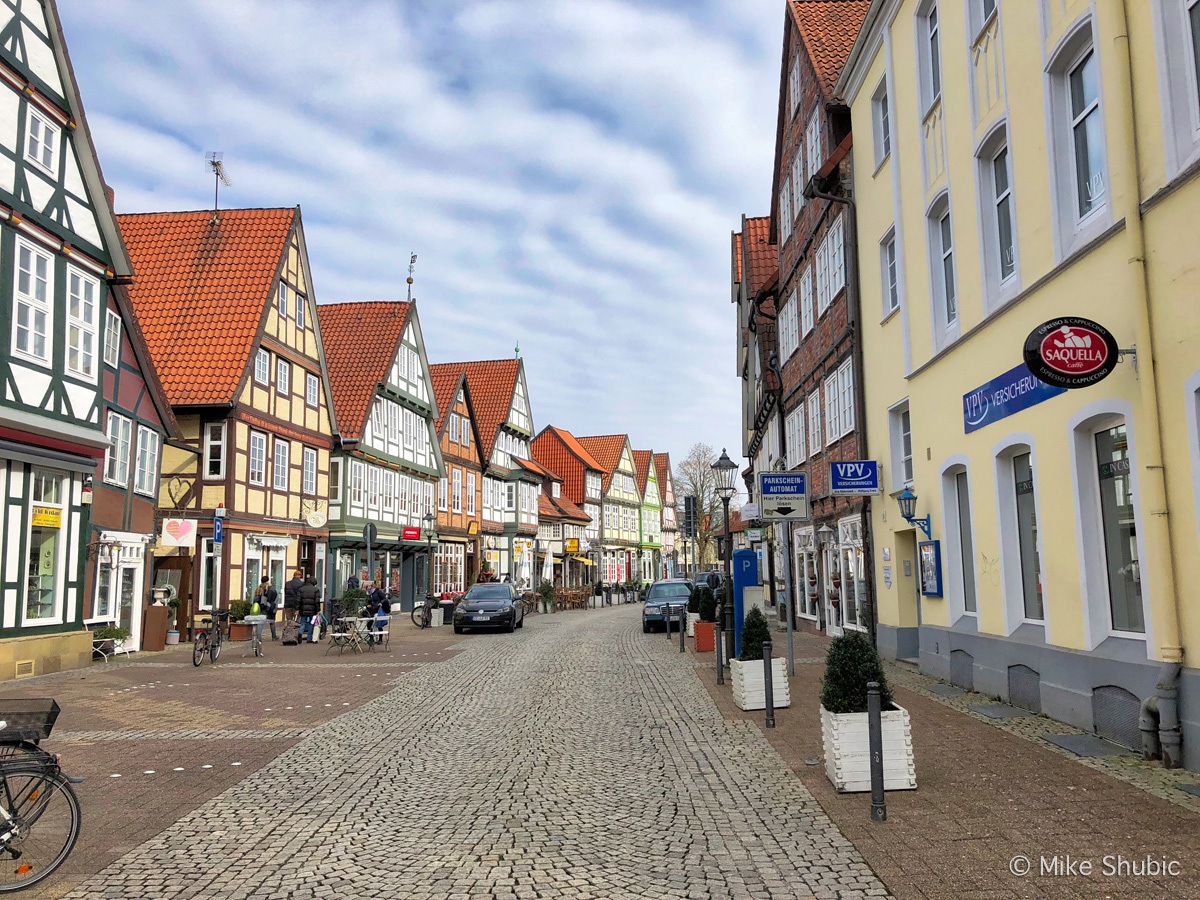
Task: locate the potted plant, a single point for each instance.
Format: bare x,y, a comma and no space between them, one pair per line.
749,679
545,593
850,664
705,629
693,613
239,630
173,605
110,636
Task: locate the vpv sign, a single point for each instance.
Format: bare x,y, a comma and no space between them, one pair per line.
782,496
855,478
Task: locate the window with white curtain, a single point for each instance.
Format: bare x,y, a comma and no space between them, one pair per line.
814,423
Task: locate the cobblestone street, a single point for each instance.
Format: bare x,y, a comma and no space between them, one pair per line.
576,758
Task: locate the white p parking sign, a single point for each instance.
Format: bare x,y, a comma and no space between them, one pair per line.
783,496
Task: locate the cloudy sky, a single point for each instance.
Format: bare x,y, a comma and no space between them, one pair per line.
568,173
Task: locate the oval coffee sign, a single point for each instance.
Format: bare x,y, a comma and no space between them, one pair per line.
1070,352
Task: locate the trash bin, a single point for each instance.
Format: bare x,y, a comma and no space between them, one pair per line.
447,607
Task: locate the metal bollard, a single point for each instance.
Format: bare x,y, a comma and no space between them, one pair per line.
682,627
875,737
720,667
768,685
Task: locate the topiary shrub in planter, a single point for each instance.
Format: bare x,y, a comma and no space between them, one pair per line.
850,663
693,611
748,673
703,630
238,630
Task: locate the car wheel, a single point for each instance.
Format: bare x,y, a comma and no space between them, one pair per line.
458,629
512,625
521,622
645,628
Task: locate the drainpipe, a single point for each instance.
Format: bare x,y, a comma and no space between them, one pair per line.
853,319
1152,482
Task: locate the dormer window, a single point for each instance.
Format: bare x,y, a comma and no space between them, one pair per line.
41,146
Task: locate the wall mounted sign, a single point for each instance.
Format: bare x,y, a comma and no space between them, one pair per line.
572,545
411,534
1071,352
1003,396
178,533
45,517
748,512
929,554
316,519
783,495
754,535
855,478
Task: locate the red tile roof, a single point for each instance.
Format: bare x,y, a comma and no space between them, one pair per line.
737,257
446,378
828,29
570,510
200,289
735,523
356,367
547,510
662,469
762,257
492,383
530,466
557,449
606,450
641,461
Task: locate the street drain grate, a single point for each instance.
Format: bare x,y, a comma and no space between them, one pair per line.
998,711
1085,744
945,690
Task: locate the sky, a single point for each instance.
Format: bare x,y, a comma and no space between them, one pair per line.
568,173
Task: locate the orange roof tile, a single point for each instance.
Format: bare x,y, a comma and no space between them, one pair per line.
570,510
606,450
357,367
641,462
737,257
662,468
200,289
828,29
530,466
446,378
547,509
557,449
491,383
762,257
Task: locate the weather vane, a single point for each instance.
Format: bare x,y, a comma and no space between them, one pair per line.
412,264
517,349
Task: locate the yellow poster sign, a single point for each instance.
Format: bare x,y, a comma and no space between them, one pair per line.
46,517
572,545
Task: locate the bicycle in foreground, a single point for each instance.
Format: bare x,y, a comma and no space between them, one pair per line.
39,810
422,613
209,640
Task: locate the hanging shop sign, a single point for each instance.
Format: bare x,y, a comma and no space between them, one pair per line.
754,535
1071,352
45,517
1003,396
178,533
572,545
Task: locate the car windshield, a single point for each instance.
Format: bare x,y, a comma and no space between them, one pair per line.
664,592
489,592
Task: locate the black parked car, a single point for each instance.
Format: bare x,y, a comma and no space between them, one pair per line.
669,594
489,606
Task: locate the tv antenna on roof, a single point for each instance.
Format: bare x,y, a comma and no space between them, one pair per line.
213,157
412,264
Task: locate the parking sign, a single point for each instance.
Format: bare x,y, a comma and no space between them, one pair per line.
783,496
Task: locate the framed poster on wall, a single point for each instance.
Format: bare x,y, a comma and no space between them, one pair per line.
929,556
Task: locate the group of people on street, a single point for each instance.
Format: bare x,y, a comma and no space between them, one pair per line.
301,601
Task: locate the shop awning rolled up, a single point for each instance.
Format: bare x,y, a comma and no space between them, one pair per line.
584,560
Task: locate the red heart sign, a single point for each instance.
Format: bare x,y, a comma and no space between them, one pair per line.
178,528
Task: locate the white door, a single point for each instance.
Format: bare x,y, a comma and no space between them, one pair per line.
129,604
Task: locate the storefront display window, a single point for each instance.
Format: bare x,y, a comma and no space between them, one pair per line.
849,577
45,548
1120,533
806,565
1031,576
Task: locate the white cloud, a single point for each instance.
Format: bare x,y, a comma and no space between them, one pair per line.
568,173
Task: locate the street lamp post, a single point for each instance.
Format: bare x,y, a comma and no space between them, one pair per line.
429,520
725,470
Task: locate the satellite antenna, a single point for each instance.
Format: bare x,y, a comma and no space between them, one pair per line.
412,264
213,158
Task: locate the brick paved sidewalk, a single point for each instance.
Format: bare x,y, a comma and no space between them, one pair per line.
985,795
155,737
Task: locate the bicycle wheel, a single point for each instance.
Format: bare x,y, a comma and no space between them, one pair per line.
214,647
200,649
418,615
40,825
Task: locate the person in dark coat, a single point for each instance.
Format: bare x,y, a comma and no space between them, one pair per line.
309,605
268,601
291,595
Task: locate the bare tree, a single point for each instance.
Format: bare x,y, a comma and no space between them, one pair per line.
694,476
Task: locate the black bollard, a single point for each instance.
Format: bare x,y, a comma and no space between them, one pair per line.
682,627
720,668
768,685
875,737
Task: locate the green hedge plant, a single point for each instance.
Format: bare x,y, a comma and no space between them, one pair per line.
238,610
707,604
850,664
694,600
755,630
110,633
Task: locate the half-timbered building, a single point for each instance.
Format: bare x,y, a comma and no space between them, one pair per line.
649,517
460,491
582,479
620,531
226,301
387,461
671,564
60,251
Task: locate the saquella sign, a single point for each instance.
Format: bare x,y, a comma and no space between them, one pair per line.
1071,352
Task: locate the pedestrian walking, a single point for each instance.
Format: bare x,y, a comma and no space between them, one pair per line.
268,602
309,599
291,595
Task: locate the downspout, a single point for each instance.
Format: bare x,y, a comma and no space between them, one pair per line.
853,318
1152,482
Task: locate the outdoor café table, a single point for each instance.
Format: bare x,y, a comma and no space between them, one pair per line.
255,648
347,632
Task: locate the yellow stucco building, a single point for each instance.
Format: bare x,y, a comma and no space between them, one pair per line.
1017,162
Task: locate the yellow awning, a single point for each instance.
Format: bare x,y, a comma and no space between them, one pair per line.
584,560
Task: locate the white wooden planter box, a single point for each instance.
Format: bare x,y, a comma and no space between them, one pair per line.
435,617
749,684
693,618
848,751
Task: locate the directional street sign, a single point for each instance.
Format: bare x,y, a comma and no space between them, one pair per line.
783,495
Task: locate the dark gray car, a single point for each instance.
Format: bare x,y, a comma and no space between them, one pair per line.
489,606
663,599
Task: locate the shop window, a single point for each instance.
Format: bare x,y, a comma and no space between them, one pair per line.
44,553
807,604
1119,530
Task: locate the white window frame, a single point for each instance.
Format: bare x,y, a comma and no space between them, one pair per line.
944,295
120,444
82,329
813,148
794,434
112,338
218,442
797,174
794,83
282,304
997,202
312,389
374,487
301,316
33,305
471,483
785,209
900,435
929,56
309,480
358,483
456,493
43,141
814,423
262,367
1179,88
1011,577
283,376
281,463
789,338
957,556
146,478
833,415
835,237
845,374
889,272
453,427
806,301
881,118
443,494
257,452
335,481
821,274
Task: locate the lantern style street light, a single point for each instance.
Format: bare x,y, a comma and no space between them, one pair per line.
908,511
725,470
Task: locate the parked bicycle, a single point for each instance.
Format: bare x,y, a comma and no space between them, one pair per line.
422,614
39,811
209,640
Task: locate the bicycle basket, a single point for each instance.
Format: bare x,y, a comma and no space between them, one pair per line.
27,719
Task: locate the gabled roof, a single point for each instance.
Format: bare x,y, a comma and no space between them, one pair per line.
606,450
557,449
492,383
828,29
356,367
761,256
137,340
570,510
662,470
546,509
737,257
200,289
642,460
446,378
530,466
